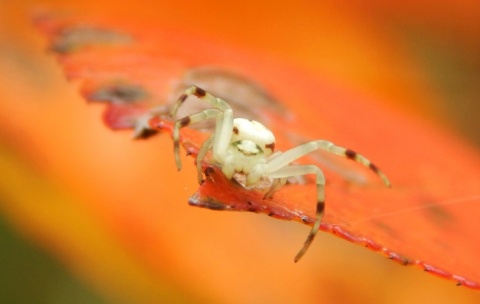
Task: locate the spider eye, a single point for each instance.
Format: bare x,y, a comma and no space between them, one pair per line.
247,147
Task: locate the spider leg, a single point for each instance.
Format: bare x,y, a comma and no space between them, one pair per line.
201,94
186,121
288,156
294,170
276,185
223,135
201,155
224,122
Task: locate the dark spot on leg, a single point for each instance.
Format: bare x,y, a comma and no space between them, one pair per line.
185,121
271,214
199,92
374,168
183,97
350,154
235,130
249,203
320,207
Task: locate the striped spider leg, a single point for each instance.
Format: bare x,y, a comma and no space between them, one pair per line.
280,167
245,146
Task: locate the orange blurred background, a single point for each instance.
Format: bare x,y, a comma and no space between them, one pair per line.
97,203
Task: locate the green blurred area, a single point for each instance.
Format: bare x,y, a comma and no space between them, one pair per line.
453,69
29,275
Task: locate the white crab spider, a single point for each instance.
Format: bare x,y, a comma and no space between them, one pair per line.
246,146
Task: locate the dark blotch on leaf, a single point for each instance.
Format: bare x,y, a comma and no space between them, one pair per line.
386,228
72,39
119,93
439,215
146,133
247,98
207,203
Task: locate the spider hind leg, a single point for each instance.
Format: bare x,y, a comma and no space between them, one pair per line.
294,170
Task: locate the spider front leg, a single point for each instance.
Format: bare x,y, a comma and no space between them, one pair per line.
200,156
224,122
201,94
277,184
186,121
294,170
293,154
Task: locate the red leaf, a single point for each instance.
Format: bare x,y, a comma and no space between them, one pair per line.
428,217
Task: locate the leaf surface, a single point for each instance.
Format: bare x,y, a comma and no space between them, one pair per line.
431,209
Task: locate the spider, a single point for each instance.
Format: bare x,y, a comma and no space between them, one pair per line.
242,146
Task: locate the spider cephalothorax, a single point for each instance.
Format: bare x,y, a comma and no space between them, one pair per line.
250,145
242,146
